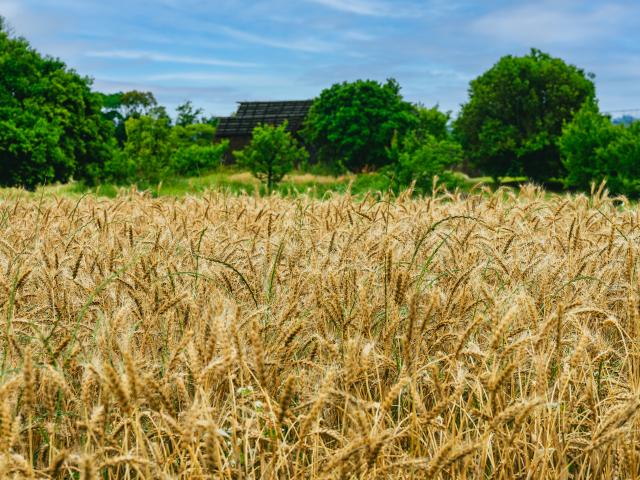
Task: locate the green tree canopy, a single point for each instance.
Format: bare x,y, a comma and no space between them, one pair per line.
516,111
148,148
187,114
353,124
594,149
272,153
432,121
419,157
120,106
195,150
51,125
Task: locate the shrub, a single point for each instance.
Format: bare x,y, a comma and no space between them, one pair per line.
194,160
594,149
195,151
419,158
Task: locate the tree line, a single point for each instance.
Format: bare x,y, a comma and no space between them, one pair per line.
532,116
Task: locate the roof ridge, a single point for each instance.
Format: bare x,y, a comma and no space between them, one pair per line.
276,101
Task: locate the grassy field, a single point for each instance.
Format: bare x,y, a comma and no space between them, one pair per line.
235,181
495,335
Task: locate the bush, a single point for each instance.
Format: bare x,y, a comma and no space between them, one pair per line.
371,182
426,152
195,152
271,154
194,160
419,158
154,150
594,149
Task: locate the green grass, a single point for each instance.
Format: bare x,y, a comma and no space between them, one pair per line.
238,182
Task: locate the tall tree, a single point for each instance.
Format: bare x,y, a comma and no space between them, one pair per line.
353,124
515,114
51,125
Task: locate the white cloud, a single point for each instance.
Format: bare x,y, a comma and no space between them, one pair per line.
225,78
308,45
359,36
9,9
550,23
383,8
358,7
159,57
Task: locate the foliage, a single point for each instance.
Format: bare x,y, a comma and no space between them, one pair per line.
271,154
351,125
420,158
424,153
188,115
119,107
594,149
155,150
432,121
194,160
201,134
148,148
51,127
516,111
195,151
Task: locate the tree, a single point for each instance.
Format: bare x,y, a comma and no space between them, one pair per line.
516,111
271,154
195,150
351,125
187,115
119,107
51,125
427,151
594,149
148,149
433,122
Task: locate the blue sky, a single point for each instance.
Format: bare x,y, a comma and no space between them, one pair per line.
216,52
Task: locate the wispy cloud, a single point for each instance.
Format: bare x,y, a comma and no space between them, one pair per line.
358,7
359,36
10,9
160,57
309,45
217,52
550,23
224,78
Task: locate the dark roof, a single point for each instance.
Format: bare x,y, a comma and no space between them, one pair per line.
251,114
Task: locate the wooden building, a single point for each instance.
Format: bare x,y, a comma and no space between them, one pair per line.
239,127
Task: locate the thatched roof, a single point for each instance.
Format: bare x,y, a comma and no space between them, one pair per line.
251,114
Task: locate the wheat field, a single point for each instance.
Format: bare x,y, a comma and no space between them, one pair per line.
488,335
